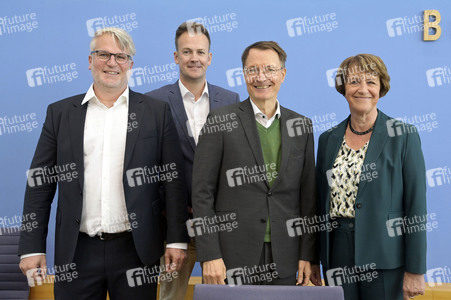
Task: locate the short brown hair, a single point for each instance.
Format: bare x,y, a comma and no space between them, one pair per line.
366,63
191,27
265,45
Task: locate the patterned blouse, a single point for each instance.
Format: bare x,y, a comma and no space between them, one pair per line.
344,180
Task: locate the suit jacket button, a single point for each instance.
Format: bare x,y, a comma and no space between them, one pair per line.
269,193
351,225
78,221
359,205
263,220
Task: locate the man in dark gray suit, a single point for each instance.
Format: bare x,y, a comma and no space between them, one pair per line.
191,98
250,181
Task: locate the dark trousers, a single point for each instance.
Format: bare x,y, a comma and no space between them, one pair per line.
265,273
359,282
107,265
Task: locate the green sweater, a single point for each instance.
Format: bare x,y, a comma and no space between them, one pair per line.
270,140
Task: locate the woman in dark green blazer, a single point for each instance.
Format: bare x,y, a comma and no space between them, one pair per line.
372,187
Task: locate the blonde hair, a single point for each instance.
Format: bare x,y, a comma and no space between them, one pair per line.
124,40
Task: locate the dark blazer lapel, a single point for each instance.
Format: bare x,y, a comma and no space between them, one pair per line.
286,143
332,147
214,97
377,142
134,110
247,119
77,118
334,143
176,102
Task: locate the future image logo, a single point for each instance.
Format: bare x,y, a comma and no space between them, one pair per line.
395,127
94,25
248,175
406,25
251,275
213,224
395,227
152,74
438,276
313,24
309,225
217,23
235,276
127,22
149,275
18,123
438,76
35,77
38,276
411,224
148,175
18,23
299,126
136,77
51,74
331,75
18,223
438,176
412,124
235,77
46,175
395,27
347,275
136,277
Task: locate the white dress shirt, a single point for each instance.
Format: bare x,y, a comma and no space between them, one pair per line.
262,118
104,208
196,109
105,134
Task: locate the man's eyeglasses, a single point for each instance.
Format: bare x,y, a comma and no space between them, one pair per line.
269,71
121,58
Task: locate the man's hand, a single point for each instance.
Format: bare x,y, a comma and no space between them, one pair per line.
214,271
304,272
413,285
315,278
34,262
174,259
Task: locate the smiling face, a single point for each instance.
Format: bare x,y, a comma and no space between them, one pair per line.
263,87
193,57
362,92
109,76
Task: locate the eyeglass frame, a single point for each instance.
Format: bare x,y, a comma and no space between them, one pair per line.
264,71
129,57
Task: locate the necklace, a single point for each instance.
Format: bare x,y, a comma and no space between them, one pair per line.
359,132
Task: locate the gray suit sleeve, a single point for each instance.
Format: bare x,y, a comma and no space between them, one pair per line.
308,200
207,164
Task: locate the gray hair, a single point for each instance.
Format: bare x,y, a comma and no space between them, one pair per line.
124,40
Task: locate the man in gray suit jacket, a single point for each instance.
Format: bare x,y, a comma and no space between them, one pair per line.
253,174
191,98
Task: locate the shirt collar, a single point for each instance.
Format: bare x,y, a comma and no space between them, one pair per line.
90,95
184,90
258,112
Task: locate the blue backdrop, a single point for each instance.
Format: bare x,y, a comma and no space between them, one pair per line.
44,57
